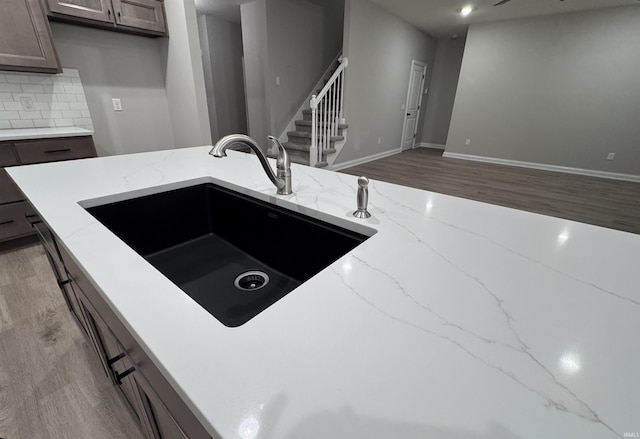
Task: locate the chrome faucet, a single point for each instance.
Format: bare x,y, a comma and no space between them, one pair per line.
282,180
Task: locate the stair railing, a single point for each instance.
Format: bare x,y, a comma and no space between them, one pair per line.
327,113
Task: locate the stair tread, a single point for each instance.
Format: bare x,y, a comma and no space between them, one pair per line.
308,111
296,146
301,161
308,135
292,146
341,126
293,158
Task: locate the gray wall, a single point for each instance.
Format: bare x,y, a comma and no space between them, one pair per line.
442,92
561,90
114,65
304,36
181,58
221,43
380,47
159,81
207,68
256,63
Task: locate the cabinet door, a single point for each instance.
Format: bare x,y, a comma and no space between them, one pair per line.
140,14
99,10
9,192
160,423
120,367
25,38
13,222
62,277
7,154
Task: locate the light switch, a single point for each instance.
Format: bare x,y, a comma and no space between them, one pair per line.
277,80
117,104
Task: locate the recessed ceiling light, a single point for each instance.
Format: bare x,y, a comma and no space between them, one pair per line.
466,10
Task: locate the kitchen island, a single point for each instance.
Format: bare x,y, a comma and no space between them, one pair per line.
456,319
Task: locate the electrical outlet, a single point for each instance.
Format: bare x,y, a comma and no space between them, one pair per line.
467,142
117,104
27,103
611,156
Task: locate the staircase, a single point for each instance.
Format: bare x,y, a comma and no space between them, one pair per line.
321,132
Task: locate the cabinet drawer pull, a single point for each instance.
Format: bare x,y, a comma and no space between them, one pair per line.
57,151
120,356
33,219
121,376
3,222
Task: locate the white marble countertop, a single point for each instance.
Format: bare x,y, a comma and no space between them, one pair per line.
457,319
42,133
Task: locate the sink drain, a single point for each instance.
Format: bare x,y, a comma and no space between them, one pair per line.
251,280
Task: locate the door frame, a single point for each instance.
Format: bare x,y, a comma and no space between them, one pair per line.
406,105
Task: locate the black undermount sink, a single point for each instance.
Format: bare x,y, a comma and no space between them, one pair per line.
231,253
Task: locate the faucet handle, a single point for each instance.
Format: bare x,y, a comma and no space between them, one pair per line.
282,162
362,198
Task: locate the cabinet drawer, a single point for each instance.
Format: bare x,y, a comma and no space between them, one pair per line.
9,192
52,150
7,157
12,221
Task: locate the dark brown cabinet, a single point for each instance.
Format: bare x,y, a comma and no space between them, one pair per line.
155,405
140,14
13,208
25,38
12,221
99,10
117,363
161,424
62,277
133,16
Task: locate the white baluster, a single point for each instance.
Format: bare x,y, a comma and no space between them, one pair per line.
313,151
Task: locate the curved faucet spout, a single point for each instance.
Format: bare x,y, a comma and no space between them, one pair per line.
281,180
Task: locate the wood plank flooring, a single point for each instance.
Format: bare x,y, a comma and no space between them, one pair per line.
608,203
51,382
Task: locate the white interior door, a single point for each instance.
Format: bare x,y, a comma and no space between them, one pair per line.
412,107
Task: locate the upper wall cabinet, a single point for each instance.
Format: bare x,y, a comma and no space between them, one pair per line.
140,14
134,16
99,10
25,38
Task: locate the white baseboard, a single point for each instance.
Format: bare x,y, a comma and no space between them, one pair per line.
429,145
367,159
544,167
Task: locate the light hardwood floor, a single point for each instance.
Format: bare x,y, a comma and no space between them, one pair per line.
51,382
608,203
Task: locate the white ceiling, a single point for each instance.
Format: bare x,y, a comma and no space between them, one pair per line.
439,17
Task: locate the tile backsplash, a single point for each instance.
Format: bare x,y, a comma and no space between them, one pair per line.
31,100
